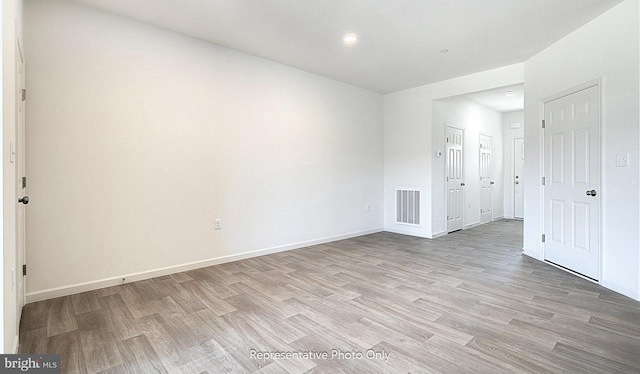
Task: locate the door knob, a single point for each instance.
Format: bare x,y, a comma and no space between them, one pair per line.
492,182
517,182
24,200
463,184
591,193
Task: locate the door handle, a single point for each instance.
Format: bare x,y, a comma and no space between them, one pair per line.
591,193
517,182
463,184
24,200
492,182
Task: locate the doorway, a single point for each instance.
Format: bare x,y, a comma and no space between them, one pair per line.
572,181
486,183
518,185
454,178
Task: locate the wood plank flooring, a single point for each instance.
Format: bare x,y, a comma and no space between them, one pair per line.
469,302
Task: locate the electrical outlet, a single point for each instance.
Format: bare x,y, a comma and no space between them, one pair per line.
217,225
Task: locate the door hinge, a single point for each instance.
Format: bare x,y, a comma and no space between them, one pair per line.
24,182
544,181
24,270
544,124
23,94
543,238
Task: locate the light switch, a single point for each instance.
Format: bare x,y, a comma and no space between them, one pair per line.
622,160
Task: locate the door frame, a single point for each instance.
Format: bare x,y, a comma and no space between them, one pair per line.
513,176
446,158
480,135
598,82
20,159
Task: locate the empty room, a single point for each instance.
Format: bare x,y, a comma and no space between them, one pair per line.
321,186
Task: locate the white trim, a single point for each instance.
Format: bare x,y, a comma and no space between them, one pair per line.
498,218
438,234
620,289
603,282
472,225
530,254
114,281
16,342
404,232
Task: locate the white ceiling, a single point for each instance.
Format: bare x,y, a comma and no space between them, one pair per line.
399,40
497,99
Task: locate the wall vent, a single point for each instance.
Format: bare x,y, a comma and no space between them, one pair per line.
408,206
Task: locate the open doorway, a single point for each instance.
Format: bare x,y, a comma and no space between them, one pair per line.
482,159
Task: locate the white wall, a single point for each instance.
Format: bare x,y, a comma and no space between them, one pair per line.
409,140
138,138
509,135
11,29
474,119
606,48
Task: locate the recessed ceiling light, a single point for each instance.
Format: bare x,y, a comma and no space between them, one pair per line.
350,39
510,93
444,50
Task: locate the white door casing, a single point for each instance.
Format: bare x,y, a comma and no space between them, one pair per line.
18,154
454,178
572,181
486,183
518,186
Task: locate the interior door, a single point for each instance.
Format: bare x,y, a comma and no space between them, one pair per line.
518,165
486,183
455,184
18,155
572,182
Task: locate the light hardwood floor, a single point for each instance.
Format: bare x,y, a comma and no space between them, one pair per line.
469,302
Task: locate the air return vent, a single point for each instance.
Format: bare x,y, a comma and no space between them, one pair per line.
408,206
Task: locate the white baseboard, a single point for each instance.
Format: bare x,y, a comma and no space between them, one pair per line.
620,289
114,281
472,225
403,232
528,254
603,282
438,234
498,218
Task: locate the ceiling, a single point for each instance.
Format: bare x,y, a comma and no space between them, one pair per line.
399,40
497,99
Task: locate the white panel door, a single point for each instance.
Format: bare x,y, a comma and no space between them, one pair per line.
486,183
518,186
455,184
572,190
